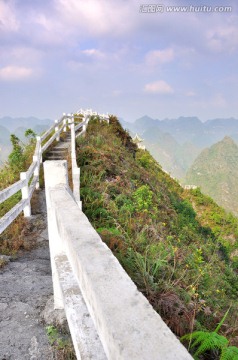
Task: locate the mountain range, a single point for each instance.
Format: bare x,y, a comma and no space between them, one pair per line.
176,143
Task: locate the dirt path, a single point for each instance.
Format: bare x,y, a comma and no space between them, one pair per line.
25,287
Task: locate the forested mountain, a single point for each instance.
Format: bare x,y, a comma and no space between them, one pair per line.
215,171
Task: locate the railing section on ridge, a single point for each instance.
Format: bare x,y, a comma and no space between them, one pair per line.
108,317
29,180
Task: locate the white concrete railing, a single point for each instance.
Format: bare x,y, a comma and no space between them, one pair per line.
29,180
107,316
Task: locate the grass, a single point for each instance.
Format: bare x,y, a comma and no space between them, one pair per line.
61,343
12,239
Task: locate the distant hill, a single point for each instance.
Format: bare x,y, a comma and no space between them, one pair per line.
172,156
30,122
5,145
18,126
215,171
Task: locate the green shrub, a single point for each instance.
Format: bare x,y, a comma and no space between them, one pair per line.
143,198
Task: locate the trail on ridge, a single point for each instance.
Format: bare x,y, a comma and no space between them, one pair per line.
25,287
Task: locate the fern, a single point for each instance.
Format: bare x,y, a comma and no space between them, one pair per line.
206,341
229,353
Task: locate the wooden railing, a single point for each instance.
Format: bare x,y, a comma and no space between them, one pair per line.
29,180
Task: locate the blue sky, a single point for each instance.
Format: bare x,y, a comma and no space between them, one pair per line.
60,55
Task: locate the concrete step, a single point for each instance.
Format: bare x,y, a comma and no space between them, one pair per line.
59,151
66,139
56,157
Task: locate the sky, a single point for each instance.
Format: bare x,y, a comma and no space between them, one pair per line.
124,57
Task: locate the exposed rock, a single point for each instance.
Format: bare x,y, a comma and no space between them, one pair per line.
54,317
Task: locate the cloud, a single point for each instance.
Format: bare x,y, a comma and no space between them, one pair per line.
96,17
223,38
93,53
159,56
158,87
12,73
8,20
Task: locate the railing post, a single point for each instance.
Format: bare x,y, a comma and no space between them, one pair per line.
76,185
38,158
36,171
56,129
38,139
70,120
72,140
64,123
25,195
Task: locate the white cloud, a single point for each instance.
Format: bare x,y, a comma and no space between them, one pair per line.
159,56
12,73
8,20
223,38
93,53
97,17
45,22
159,87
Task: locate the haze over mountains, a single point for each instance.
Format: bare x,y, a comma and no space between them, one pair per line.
175,143
18,126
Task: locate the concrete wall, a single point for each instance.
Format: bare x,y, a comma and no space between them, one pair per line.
127,325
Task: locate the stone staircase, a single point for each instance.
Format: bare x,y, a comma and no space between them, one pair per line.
61,149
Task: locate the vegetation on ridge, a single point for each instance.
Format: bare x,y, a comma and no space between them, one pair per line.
18,160
185,265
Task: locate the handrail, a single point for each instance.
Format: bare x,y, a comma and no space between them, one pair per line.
11,190
11,215
29,180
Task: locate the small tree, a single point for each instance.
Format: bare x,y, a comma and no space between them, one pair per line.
16,158
30,134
